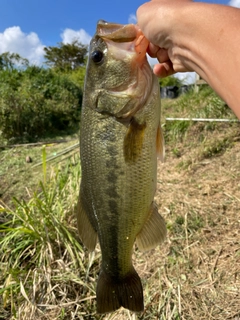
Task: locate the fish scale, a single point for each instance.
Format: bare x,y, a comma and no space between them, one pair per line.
119,141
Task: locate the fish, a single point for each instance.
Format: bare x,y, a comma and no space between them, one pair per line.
120,141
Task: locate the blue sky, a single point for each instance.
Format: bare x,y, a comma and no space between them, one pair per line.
26,26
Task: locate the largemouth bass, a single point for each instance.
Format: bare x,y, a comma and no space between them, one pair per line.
120,139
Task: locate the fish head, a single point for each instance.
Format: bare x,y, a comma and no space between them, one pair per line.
118,78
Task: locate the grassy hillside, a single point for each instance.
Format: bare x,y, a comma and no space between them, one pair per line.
45,273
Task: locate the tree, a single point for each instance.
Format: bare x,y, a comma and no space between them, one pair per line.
66,56
10,61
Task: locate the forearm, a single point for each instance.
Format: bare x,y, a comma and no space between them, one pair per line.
197,37
212,49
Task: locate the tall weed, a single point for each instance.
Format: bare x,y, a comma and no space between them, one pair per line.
40,249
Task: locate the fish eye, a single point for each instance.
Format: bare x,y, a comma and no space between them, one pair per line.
97,56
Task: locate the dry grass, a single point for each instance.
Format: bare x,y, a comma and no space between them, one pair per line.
194,275
201,204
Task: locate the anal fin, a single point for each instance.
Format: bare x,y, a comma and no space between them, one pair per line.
86,231
153,232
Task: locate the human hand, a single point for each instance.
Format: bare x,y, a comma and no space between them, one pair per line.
161,23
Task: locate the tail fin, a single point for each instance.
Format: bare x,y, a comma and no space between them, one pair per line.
113,294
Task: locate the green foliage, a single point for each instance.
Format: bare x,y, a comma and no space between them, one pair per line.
170,81
37,243
9,61
176,129
65,57
44,163
215,148
37,101
77,76
203,104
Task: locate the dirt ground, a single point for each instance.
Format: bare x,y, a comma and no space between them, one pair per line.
207,197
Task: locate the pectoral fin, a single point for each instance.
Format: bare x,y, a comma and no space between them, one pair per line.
133,141
153,232
160,144
86,232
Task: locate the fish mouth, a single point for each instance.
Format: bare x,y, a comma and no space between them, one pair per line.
116,32
128,34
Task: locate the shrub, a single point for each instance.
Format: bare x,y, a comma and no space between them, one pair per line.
37,101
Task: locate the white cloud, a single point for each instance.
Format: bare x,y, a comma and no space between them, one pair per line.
186,77
234,3
26,45
29,46
70,35
132,19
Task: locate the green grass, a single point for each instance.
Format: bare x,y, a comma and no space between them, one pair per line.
39,241
45,273
19,178
205,104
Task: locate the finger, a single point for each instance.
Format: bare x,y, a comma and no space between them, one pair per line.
163,70
156,52
152,50
162,55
